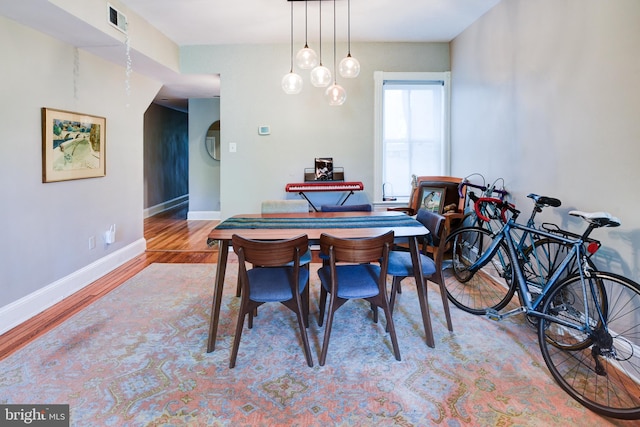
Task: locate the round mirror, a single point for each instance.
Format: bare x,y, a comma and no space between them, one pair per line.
212,140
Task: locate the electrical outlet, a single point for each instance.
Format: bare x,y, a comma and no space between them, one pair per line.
92,242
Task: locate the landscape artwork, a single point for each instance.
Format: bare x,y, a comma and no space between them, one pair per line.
73,145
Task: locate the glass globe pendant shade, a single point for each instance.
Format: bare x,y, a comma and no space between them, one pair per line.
292,83
306,58
336,94
349,67
320,76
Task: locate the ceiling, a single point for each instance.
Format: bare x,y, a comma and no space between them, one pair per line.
217,22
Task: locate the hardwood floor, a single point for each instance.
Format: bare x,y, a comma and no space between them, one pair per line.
170,239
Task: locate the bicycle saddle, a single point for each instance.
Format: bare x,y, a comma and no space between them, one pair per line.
545,201
599,219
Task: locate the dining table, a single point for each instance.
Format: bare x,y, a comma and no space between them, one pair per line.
340,224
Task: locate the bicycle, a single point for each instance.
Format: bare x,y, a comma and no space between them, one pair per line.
588,323
538,256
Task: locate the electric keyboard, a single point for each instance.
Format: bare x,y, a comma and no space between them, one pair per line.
307,187
324,186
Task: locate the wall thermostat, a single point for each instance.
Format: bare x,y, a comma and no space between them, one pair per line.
264,130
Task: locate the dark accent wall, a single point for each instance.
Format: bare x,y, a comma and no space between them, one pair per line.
166,155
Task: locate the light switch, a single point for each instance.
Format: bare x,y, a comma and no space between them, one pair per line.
232,147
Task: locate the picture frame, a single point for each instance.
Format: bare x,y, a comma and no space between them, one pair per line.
324,168
73,145
432,198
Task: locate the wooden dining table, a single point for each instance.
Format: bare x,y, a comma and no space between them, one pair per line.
313,224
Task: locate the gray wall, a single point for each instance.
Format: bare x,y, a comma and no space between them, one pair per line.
546,95
302,126
46,227
204,171
166,155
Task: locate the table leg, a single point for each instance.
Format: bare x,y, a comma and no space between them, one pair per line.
223,254
422,291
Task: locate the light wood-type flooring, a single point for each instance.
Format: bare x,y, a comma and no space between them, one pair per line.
170,239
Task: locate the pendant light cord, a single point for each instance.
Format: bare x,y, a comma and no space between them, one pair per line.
320,49
349,27
335,68
291,56
306,45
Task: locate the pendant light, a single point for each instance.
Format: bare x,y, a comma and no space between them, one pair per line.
349,66
306,57
321,75
292,82
335,93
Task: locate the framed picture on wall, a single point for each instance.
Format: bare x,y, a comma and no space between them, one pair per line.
432,198
73,145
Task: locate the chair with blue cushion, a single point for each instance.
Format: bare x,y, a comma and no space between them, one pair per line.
277,276
357,269
364,207
284,206
433,249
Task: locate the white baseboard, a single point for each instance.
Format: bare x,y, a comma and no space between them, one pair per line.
204,215
19,311
169,204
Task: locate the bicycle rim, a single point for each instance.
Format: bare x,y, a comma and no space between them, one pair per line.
487,288
601,368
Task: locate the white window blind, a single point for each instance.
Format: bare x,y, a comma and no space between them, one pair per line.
412,129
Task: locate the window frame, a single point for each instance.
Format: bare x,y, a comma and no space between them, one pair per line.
379,78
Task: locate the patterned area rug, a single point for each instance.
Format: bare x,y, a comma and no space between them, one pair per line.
137,358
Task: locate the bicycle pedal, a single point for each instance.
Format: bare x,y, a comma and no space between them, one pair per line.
492,314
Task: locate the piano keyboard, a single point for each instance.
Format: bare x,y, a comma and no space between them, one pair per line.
324,186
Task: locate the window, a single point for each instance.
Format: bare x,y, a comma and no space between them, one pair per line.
411,130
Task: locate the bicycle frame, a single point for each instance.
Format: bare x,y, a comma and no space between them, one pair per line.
530,306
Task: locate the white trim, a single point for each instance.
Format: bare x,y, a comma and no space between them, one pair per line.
164,206
17,312
204,215
378,78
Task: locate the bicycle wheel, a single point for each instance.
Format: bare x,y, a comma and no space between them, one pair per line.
599,367
489,287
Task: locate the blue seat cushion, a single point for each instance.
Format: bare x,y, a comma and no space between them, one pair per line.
354,281
400,264
271,284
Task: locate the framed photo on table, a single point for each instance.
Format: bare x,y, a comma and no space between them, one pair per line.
73,145
432,198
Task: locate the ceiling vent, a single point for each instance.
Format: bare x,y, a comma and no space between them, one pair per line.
117,19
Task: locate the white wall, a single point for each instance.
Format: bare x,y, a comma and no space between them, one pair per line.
546,95
46,227
303,126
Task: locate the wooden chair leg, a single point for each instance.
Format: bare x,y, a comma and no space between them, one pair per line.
395,286
327,333
445,301
303,331
321,305
237,336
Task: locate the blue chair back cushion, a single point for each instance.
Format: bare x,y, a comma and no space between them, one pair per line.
365,207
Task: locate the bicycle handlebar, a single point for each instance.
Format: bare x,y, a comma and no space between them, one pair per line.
500,191
500,204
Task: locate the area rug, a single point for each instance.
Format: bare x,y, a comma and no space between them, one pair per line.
137,357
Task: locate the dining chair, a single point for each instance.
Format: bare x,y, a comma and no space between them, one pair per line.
432,253
357,269
283,206
363,207
276,276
